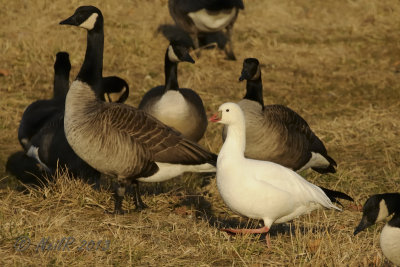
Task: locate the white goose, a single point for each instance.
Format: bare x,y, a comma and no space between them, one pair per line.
260,189
376,209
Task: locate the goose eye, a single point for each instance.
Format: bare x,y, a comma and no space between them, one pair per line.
227,110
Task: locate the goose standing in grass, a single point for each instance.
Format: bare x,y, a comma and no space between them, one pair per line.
275,132
116,139
376,209
40,111
206,16
260,189
180,108
49,147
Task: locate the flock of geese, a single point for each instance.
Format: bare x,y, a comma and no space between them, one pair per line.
87,129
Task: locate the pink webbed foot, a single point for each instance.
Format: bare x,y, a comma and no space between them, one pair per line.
261,230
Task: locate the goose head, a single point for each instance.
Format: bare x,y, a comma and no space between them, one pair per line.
178,52
375,209
228,113
62,63
251,69
87,17
115,90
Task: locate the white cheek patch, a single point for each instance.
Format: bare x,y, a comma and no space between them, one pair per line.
171,55
383,211
316,161
90,22
258,74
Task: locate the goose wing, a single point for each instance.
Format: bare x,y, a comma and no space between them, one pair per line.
157,141
299,133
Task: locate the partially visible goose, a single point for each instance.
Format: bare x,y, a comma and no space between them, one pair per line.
119,140
180,108
49,147
376,209
260,189
40,111
206,16
275,132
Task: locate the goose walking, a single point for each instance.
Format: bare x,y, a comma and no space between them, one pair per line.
40,111
260,189
180,108
376,209
206,16
275,132
119,140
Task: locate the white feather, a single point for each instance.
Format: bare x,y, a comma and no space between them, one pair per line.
89,22
212,21
261,189
390,243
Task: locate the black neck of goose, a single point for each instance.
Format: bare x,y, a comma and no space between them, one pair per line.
61,83
171,74
254,91
395,221
392,201
92,68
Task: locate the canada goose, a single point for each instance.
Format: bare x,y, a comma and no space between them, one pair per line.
260,189
275,132
180,108
40,111
116,139
49,147
376,209
206,16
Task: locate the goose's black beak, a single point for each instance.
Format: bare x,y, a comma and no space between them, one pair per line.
188,58
69,21
244,76
363,224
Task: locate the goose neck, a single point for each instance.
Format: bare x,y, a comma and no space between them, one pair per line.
61,84
171,74
92,67
254,90
235,142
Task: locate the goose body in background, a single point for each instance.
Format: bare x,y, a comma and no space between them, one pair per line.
116,139
40,111
376,209
206,16
275,132
180,108
260,189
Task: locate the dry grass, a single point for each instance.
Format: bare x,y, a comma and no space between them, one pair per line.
332,61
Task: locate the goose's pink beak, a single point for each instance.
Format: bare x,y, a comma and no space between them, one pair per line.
216,117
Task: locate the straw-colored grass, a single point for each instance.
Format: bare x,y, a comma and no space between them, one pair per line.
334,62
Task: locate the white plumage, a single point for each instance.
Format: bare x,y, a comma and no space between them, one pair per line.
260,189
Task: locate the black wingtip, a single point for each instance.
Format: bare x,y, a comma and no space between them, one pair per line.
332,194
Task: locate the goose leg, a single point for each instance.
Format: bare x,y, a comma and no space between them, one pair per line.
261,230
229,47
119,194
195,39
137,199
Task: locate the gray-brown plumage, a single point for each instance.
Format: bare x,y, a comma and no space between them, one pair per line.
180,108
206,16
276,133
120,140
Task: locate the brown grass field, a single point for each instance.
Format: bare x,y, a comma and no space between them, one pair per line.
334,62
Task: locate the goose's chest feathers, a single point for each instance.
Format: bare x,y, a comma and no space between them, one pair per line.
171,107
390,243
211,21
